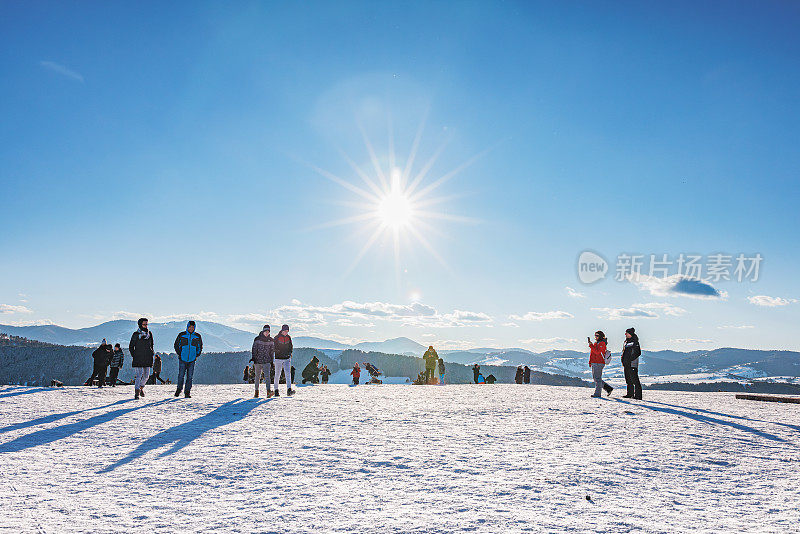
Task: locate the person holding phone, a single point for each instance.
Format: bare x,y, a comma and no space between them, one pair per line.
597,361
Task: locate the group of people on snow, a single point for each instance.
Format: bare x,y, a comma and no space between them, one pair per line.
271,357
106,357
600,356
434,367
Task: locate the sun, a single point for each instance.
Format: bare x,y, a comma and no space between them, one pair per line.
395,208
395,202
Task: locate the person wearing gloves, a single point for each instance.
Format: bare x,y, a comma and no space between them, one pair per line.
188,346
630,363
283,360
263,355
141,349
597,361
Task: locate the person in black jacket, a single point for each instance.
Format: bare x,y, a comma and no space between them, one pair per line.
325,373
141,349
102,359
311,371
630,363
526,375
117,360
476,370
283,360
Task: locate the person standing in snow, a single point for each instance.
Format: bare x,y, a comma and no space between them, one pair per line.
283,360
441,371
526,375
156,376
102,357
325,374
630,363
117,360
141,349
476,371
188,346
263,356
431,359
597,361
356,373
518,376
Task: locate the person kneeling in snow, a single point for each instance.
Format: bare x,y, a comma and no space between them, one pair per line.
311,371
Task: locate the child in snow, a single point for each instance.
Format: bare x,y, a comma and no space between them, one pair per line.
441,371
356,372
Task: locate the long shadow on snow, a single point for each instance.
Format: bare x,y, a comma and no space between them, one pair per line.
706,419
787,425
25,391
49,435
55,417
185,433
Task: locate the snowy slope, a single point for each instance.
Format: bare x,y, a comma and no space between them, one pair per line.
395,459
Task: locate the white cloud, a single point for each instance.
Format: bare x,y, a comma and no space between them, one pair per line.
542,316
684,341
736,327
511,325
770,302
8,309
676,285
61,69
575,294
648,310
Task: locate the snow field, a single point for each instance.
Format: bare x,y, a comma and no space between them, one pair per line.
395,458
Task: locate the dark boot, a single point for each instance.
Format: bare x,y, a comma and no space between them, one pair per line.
290,392
256,395
136,396
178,392
269,393
277,394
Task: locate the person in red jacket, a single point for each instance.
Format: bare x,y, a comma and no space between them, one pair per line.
597,360
356,372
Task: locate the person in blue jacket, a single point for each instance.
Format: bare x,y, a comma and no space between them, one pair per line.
188,346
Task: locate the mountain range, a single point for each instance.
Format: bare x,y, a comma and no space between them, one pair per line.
723,363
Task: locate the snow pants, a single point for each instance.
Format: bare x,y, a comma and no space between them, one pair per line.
599,384
99,372
259,367
632,380
141,374
112,377
284,365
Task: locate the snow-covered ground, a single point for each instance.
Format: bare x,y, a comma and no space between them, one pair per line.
394,458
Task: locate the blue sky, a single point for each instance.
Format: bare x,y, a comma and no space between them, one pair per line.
162,160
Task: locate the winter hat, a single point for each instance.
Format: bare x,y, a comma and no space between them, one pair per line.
285,327
631,331
265,328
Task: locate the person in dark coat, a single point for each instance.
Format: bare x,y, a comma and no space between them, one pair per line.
441,371
431,358
491,379
156,376
311,371
117,361
142,351
476,370
325,374
283,360
102,359
630,363
519,375
526,375
262,356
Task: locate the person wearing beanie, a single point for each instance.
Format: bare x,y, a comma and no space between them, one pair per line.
142,352
188,346
263,357
597,361
283,360
117,361
431,358
630,363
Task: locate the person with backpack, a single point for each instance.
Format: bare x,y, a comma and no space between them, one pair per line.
356,374
263,354
476,372
630,363
283,360
599,356
117,360
142,351
188,346
526,375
